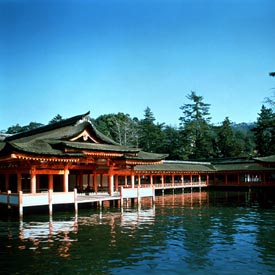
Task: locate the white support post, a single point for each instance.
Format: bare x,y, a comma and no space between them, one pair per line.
133,181
66,179
50,201
20,204
33,180
75,202
151,180
111,182
121,197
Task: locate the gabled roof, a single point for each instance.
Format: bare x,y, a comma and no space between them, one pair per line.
66,129
75,137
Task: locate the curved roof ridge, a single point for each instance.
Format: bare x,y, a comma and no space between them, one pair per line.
64,122
186,162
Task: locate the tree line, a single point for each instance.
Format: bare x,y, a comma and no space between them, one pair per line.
195,138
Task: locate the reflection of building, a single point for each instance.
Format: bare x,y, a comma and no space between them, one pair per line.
45,165
136,218
45,230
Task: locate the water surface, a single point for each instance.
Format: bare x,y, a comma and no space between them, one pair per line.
194,233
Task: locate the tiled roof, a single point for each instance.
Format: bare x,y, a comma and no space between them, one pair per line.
269,159
40,131
93,146
64,130
245,166
190,166
145,156
174,166
65,138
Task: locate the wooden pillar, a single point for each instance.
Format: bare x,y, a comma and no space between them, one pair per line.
95,181
132,180
50,182
88,183
116,182
101,181
162,180
80,181
66,179
226,179
7,182
50,202
111,184
33,179
20,204
138,196
38,183
75,202
92,182
121,197
19,181
111,181
173,180
151,180
138,180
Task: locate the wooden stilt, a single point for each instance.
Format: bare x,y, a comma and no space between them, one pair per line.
20,204
50,193
75,202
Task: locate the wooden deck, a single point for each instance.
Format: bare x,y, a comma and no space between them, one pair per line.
96,197
50,198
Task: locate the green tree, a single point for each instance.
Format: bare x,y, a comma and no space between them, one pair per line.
172,143
151,134
264,131
119,127
195,128
226,140
18,129
57,118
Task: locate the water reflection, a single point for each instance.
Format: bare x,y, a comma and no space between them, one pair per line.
192,233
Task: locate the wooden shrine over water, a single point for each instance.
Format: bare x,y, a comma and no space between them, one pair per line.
71,162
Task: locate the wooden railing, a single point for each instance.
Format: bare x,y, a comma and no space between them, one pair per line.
137,192
243,183
172,185
38,199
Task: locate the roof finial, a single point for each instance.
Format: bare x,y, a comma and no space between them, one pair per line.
85,117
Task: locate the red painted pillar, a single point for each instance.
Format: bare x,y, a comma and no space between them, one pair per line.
19,181
66,179
33,180
50,182
95,181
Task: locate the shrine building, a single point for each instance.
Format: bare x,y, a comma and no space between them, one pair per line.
57,162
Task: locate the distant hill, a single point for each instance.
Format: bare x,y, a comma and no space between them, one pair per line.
243,127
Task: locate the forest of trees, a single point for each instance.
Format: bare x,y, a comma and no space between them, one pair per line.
194,139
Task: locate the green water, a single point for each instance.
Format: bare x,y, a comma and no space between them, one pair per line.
200,233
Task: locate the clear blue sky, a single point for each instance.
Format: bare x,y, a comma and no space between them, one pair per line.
110,56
